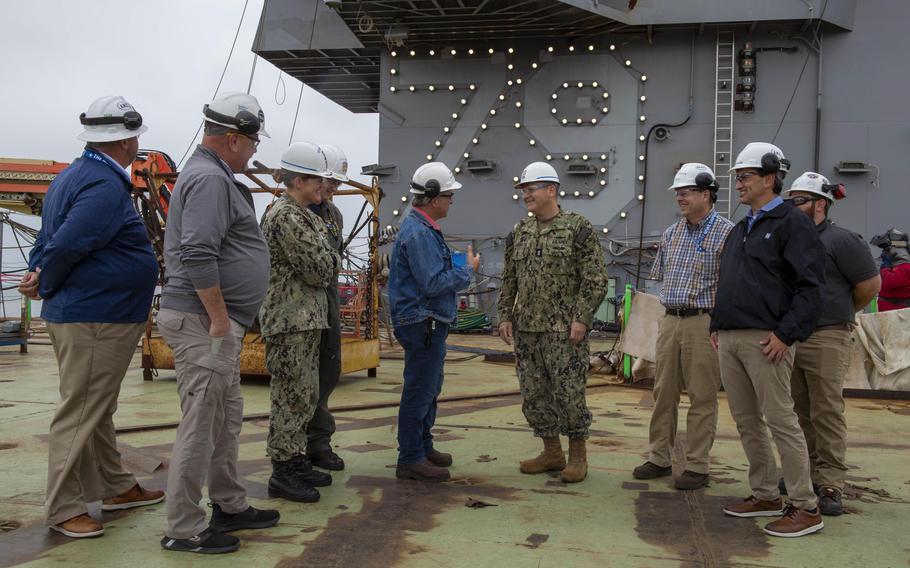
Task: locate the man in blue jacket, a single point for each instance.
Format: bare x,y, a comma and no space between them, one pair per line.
422,286
769,296
93,266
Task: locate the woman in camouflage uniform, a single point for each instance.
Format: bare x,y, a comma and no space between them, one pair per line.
292,317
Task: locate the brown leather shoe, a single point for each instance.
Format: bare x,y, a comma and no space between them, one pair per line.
80,526
135,497
796,522
441,459
753,507
421,471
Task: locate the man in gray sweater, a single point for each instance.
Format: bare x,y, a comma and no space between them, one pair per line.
217,269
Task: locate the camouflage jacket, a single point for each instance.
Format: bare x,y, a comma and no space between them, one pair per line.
552,276
303,264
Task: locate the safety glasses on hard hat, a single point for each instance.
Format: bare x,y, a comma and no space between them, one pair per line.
253,139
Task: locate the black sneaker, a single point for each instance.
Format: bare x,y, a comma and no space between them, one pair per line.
209,541
650,470
830,502
308,475
252,518
782,487
326,459
285,483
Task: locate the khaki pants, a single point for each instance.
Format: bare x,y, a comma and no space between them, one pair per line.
685,360
83,461
817,388
205,449
759,397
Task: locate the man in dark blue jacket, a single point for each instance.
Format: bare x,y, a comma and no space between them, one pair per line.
772,273
93,266
422,285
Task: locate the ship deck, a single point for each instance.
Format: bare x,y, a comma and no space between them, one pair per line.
367,518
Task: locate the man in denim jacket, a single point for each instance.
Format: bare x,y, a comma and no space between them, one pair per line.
422,286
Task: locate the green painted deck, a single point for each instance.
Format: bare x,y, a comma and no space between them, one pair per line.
369,519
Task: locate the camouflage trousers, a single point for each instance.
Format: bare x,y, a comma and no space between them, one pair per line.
552,374
293,361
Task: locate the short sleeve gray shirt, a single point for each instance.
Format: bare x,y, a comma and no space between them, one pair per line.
847,263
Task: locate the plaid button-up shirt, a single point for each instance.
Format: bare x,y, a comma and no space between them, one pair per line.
688,262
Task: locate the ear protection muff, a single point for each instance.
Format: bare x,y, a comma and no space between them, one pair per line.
771,164
430,189
245,121
837,190
131,120
705,180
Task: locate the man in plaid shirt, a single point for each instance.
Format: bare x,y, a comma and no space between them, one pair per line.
688,263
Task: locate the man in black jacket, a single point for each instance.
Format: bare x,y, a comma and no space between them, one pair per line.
772,273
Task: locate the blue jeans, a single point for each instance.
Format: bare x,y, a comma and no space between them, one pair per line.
424,357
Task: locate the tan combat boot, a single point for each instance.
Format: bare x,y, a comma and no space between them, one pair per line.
550,459
577,469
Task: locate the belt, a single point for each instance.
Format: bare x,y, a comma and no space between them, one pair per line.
685,312
835,327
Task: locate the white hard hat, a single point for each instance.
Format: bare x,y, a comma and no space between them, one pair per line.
338,162
694,174
763,156
109,119
816,184
238,111
537,171
306,158
432,179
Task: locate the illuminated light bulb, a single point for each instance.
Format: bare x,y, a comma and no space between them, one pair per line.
605,110
530,214
510,66
411,88
517,104
432,52
562,193
593,121
395,212
643,98
606,230
472,87
515,179
466,155
628,62
642,118
594,84
515,196
554,96
517,125
413,53
451,87
533,66
571,48
566,157
502,97
457,170
431,88
464,101
577,193
438,143
475,141
590,48
565,121
622,215
644,78
404,198
603,170
641,197
471,51
511,51
612,47
603,182
518,80
483,126
565,85
394,54
393,71
388,227
532,142
584,157
641,138
641,178
509,82
580,84
429,157
446,129
590,194
603,156
577,121
454,116
492,111
553,111
641,158
490,51
393,89
453,52
550,49
549,157
606,95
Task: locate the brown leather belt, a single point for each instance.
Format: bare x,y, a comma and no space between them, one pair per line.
835,326
685,312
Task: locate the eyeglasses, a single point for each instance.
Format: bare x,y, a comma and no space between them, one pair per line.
800,200
533,187
253,139
744,176
684,193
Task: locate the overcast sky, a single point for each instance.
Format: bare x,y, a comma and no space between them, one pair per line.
165,57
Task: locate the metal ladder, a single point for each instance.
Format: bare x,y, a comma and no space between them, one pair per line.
723,119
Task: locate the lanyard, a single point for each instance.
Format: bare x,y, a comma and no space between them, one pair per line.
700,238
93,155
